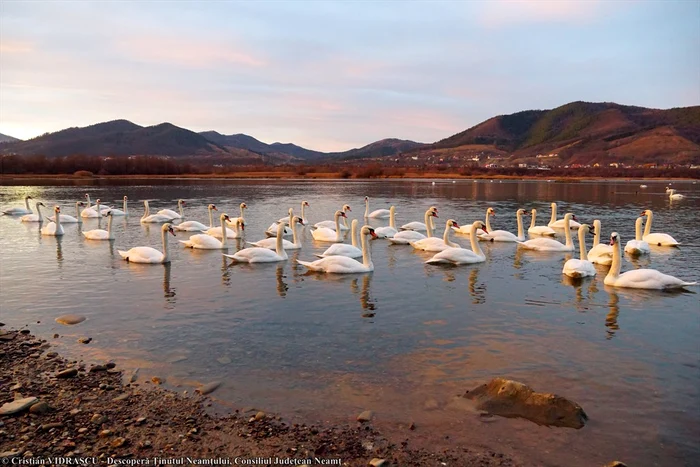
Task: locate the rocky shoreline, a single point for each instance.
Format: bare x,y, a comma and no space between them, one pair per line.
54,407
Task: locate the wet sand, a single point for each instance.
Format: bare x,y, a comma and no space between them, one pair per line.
91,409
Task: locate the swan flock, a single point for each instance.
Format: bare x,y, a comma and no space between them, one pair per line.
343,258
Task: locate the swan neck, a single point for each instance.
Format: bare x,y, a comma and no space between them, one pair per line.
26,203
428,223
164,237
567,232
582,244
179,205
295,236
392,221
77,213
223,232
366,208
596,238
146,211
366,256
124,207
303,217
476,248
446,235
617,259
38,211
353,233
99,212
211,218
532,222
278,243
638,229
109,226
647,226
519,218
337,228
488,222
243,212
554,213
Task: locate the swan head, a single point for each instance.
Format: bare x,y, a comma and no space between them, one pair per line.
346,208
366,199
98,201
306,203
491,212
367,230
298,220
614,238
433,213
452,223
392,209
27,197
224,217
243,206
57,209
587,229
126,198
646,212
340,214
553,205
570,217
480,225
533,211
40,204
80,203
290,211
434,209
109,214
212,207
180,202
168,228
521,212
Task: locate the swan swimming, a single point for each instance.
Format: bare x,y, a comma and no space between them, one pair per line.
149,218
541,230
638,278
418,226
54,229
407,236
343,264
100,234
325,234
466,229
637,247
600,253
194,226
376,214
549,244
331,224
343,249
271,243
172,215
208,242
118,212
66,219
578,268
148,255
19,211
438,244
659,239
34,217
92,212
462,255
504,235
388,232
262,255
559,224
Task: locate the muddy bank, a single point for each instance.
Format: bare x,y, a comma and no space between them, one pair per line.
54,407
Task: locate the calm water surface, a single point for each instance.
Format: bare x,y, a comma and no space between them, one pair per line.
403,341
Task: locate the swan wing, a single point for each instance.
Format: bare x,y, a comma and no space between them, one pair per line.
660,239
407,236
256,255
430,244
191,226
324,234
456,256
342,249
544,244
203,242
385,232
380,214
336,265
414,226
96,234
600,251
142,254
578,268
169,213
89,212
650,279
500,236
16,211
541,230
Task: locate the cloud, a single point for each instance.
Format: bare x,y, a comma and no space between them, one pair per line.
15,47
499,13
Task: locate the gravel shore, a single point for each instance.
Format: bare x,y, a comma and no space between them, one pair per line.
91,410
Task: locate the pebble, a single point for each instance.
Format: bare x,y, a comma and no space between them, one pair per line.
13,453
69,320
119,442
377,462
140,420
105,433
75,411
85,340
121,397
56,336
157,380
67,373
7,336
134,375
16,387
98,419
39,408
412,426
110,365
25,331
209,387
224,360
95,368
52,355
365,416
260,415
431,404
50,426
82,430
17,406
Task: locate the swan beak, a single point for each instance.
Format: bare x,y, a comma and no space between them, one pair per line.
455,225
483,227
574,218
374,235
301,222
242,226
172,231
592,232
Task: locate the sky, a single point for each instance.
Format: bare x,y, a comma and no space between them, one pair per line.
335,75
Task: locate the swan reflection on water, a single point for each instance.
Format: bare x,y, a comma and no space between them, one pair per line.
282,286
476,290
614,311
168,292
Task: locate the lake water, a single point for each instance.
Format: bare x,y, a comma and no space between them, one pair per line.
404,341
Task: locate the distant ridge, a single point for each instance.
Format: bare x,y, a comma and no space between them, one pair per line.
8,139
575,133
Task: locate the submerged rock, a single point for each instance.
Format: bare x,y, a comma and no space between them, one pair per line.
512,399
208,388
70,319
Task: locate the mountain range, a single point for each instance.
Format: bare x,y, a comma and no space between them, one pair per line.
579,132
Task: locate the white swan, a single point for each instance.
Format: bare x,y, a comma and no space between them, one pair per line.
438,244
673,195
578,268
89,203
638,278
549,244
343,249
600,253
331,224
407,236
232,220
237,232
466,229
637,246
376,214
34,217
559,224
343,264
504,235
100,234
208,242
172,214
659,239
388,232
149,218
194,226
302,216
66,219
54,229
325,234
272,230
118,212
271,243
419,226
541,230
19,211
462,255
146,254
262,255
92,212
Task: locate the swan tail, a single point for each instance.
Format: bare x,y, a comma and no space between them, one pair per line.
308,265
319,256
437,261
398,241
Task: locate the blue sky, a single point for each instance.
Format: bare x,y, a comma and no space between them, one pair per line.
336,75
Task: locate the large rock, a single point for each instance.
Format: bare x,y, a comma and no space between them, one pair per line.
69,320
513,399
17,406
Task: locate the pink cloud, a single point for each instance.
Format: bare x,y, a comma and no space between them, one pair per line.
9,46
498,13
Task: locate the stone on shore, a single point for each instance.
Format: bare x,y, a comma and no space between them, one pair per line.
208,388
70,319
365,416
511,399
17,406
67,373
